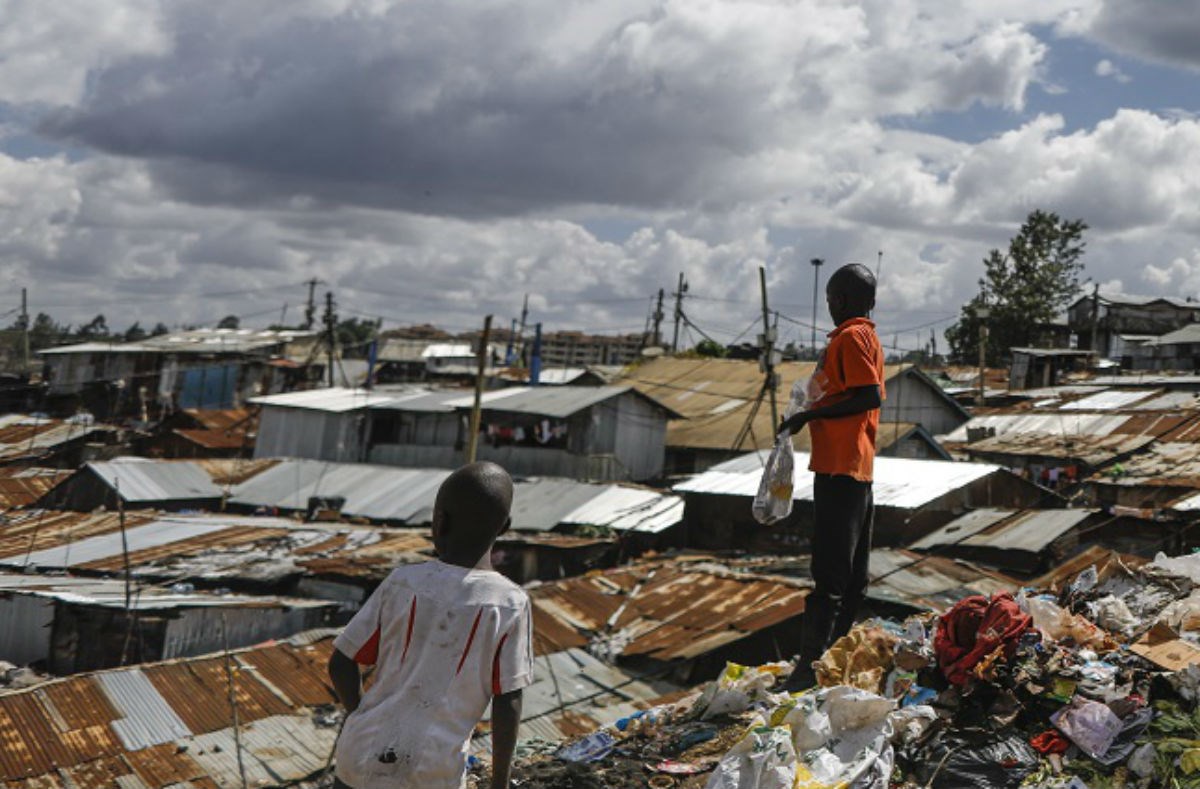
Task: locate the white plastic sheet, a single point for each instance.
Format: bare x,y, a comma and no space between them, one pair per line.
842,738
737,688
763,759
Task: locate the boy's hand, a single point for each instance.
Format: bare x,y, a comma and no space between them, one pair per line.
794,424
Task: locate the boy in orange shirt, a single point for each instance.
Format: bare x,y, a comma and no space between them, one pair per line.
843,423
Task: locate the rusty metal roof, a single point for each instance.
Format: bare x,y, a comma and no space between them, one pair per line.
21,487
666,610
182,546
1164,464
165,724
1091,450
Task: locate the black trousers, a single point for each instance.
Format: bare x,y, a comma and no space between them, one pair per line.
844,510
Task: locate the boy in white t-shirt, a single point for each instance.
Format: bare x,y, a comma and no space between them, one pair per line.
446,637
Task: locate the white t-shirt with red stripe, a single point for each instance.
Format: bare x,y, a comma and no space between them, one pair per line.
443,640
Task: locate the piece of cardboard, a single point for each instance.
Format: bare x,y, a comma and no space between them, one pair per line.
1163,647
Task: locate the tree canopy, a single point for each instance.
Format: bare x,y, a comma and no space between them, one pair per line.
1024,288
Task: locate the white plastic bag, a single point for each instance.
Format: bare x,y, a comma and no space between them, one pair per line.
737,688
1089,724
763,759
774,500
842,736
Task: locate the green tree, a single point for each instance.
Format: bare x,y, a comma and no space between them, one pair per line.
159,329
230,322
45,333
354,335
135,332
96,329
1023,288
711,349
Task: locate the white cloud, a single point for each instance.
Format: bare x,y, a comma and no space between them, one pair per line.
436,161
1106,68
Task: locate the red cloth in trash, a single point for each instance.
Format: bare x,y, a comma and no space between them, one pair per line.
1049,742
973,629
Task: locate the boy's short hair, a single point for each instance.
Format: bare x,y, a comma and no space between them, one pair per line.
473,505
856,281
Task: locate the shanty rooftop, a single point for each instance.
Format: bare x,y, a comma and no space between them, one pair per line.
171,724
899,482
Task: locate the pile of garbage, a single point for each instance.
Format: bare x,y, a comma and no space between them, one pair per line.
1090,686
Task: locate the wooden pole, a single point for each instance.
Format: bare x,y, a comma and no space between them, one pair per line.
768,346
476,408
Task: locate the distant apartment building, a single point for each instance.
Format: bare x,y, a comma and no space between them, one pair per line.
1110,324
576,349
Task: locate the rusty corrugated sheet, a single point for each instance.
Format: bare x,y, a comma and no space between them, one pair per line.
188,689
298,674
667,610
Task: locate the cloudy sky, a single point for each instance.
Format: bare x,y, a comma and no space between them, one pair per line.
180,160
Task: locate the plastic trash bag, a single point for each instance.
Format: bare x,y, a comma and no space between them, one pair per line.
1089,724
1057,623
1182,615
763,759
842,736
737,688
952,761
1112,614
774,500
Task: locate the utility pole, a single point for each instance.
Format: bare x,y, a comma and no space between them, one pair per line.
982,313
521,333
1096,319
330,335
816,263
310,312
477,407
678,294
24,331
658,316
768,346
878,265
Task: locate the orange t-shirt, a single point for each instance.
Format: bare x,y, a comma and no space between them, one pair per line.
846,444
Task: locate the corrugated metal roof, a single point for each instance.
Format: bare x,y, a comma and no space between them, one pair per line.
146,717
932,582
573,692
661,610
161,532
335,400
253,548
541,504
32,437
1030,531
626,508
1109,400
23,487
1169,401
110,592
143,480
206,341
1165,463
714,395
1091,450
558,402
899,482
386,493
1187,335
168,725
1055,424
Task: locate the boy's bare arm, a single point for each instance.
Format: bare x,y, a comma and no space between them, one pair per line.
347,680
506,718
862,398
